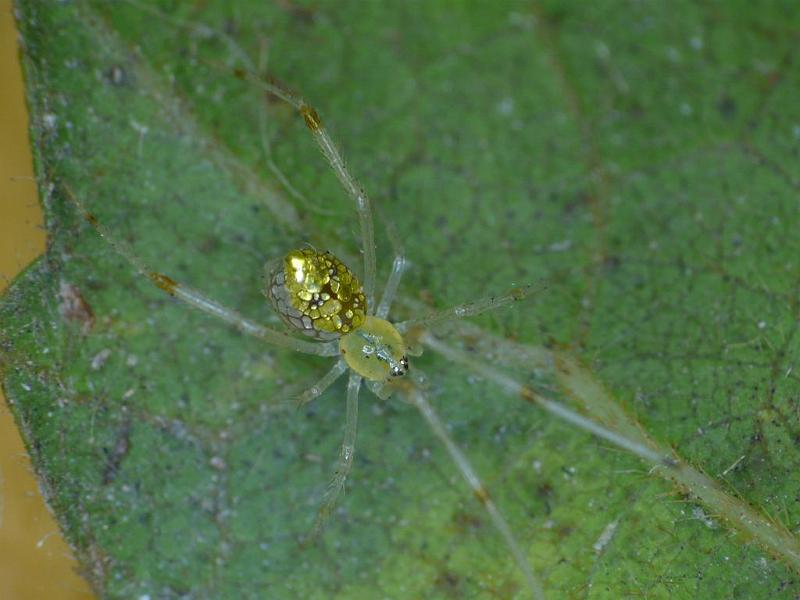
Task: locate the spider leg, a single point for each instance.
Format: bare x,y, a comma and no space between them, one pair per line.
640,449
345,462
197,299
418,400
266,153
322,384
266,150
398,266
336,162
469,309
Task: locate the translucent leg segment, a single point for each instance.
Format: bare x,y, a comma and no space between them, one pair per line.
198,300
266,151
398,267
416,398
323,384
345,462
555,408
335,160
470,309
390,291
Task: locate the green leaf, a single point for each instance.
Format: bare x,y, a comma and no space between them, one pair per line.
638,158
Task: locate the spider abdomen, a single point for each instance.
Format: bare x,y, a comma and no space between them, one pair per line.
317,294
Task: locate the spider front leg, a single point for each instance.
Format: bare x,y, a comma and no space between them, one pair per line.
416,332
337,164
557,409
266,148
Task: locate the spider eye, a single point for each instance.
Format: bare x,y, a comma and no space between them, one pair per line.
400,368
316,293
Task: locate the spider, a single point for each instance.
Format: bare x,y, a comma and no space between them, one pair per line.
318,296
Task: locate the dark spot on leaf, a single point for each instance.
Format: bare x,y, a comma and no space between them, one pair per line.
117,76
231,27
464,520
302,15
116,455
448,584
727,107
612,262
74,308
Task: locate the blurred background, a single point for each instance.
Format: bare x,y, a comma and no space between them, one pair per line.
35,562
